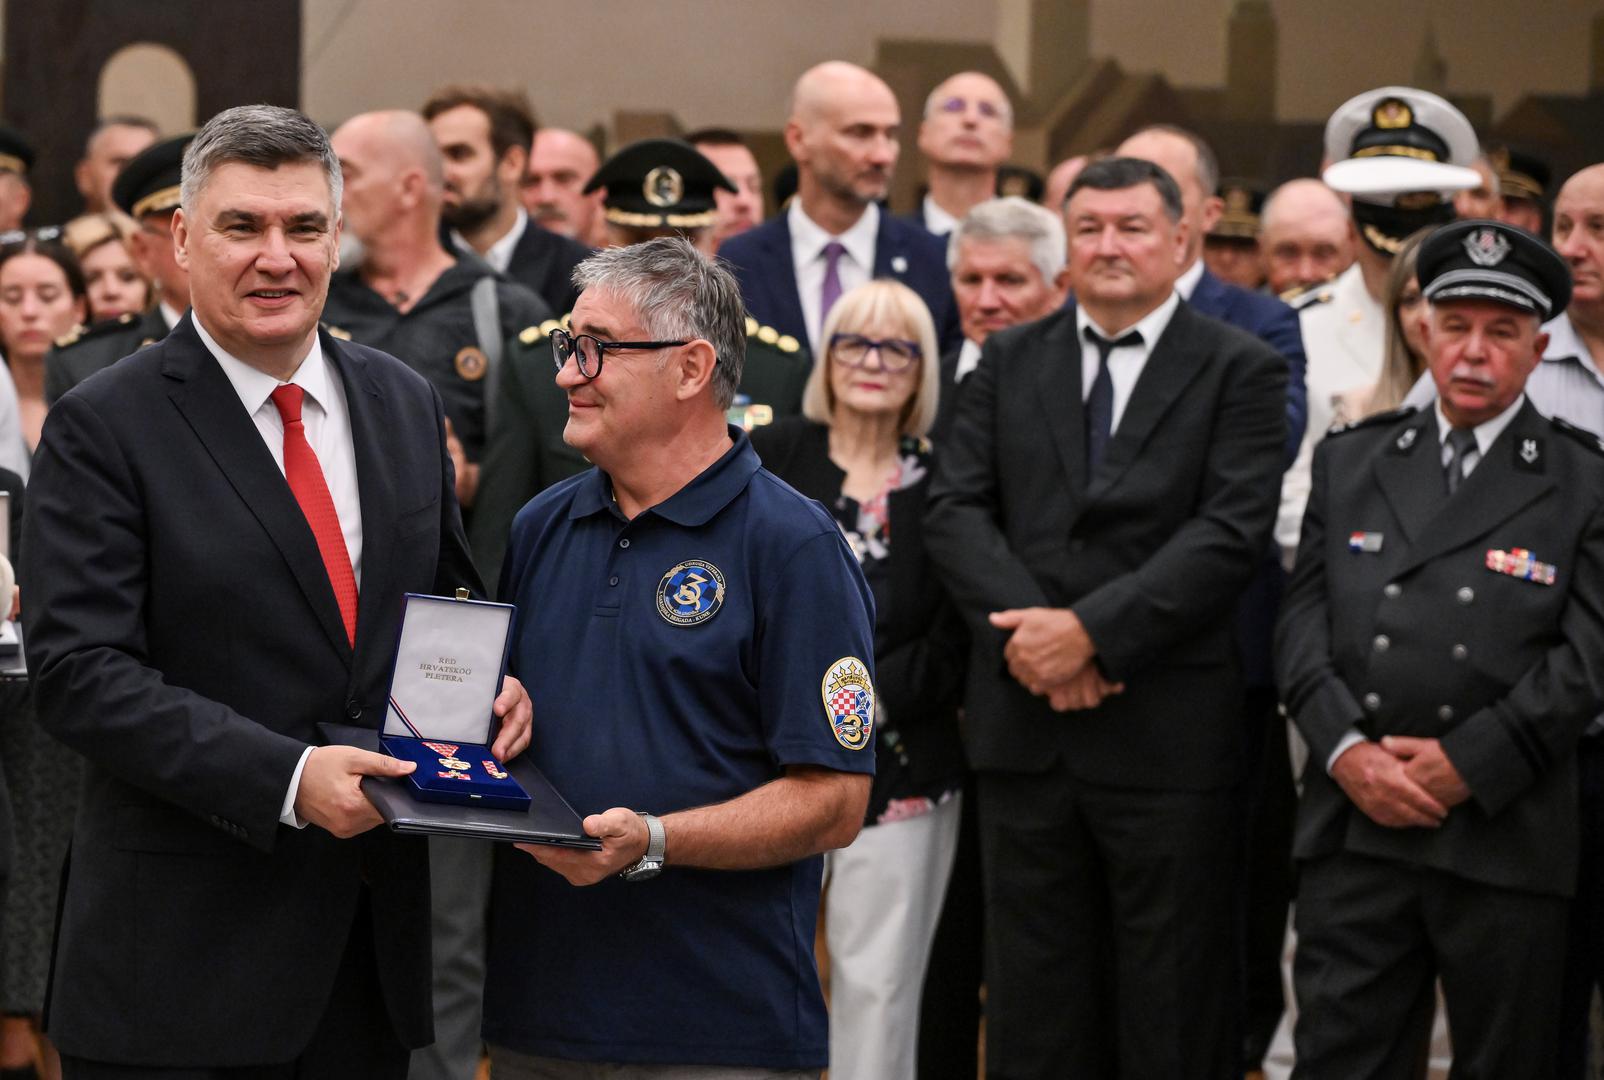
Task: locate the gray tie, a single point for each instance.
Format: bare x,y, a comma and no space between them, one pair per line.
1461,444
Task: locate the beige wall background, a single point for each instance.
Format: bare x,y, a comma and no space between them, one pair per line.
732,61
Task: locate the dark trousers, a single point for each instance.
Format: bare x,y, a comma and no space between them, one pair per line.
1372,935
949,1008
1110,919
1270,803
1584,954
355,1040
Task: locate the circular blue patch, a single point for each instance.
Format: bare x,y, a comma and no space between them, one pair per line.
690,593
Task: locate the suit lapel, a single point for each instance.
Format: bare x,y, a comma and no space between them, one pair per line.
890,260
208,403
1495,492
1170,368
1409,473
780,278
370,426
1058,381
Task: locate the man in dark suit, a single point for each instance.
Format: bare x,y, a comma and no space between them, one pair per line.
1440,651
842,132
219,535
484,135
1108,485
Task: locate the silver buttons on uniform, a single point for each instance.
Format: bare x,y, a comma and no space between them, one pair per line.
1460,652
1372,701
1446,713
1382,643
1392,591
1465,594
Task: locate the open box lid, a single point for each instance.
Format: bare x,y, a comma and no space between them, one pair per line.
450,657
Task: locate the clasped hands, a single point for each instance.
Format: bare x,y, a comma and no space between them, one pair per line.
1050,653
330,794
1401,782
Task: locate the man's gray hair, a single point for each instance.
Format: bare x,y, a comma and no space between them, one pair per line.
678,294
1012,217
266,136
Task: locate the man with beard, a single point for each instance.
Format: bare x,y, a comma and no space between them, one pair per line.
484,135
553,191
842,133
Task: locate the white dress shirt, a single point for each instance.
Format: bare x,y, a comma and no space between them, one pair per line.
1186,284
14,453
499,254
173,315
937,220
327,419
968,360
856,265
1125,363
1486,434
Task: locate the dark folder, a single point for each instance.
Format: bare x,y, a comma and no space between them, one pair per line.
548,820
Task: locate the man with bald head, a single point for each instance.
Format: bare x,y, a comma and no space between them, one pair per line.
842,133
967,132
1306,234
409,295
553,188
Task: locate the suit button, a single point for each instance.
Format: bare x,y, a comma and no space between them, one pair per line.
1392,591
1460,652
1372,701
624,543
1465,594
353,709
1446,713
1382,643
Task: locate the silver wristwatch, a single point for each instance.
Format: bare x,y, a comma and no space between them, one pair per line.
651,863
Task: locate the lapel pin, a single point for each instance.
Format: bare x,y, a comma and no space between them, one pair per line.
1407,439
1368,543
899,265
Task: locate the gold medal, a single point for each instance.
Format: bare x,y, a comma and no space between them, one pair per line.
455,764
471,363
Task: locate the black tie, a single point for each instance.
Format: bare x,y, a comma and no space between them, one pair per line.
1461,444
1100,402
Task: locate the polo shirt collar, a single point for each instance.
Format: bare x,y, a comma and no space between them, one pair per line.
714,488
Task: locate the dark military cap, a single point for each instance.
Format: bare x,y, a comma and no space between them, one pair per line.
1482,259
1020,181
148,183
658,183
1521,175
1244,201
16,152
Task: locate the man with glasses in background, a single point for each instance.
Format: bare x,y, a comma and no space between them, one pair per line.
700,642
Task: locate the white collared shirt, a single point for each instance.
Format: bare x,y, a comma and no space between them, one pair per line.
968,360
173,316
1126,362
856,265
499,254
327,420
936,219
1186,284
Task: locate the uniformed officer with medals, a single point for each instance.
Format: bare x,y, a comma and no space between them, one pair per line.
655,187
146,189
1441,648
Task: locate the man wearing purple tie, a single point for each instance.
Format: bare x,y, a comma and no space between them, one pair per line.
842,132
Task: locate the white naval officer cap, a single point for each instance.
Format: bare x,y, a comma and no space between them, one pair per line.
1398,139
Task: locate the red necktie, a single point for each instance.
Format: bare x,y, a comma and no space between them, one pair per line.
305,475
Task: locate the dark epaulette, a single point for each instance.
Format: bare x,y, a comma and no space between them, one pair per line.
1308,296
1580,434
770,336
533,335
99,329
1378,420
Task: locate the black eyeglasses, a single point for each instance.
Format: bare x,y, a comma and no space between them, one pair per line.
896,354
42,235
587,351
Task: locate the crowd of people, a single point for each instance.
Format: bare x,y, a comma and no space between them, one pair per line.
1054,602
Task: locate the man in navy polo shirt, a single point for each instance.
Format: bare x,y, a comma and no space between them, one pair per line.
696,639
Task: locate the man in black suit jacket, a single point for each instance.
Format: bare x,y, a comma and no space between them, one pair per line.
484,136
1095,520
198,603
843,134
1440,651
